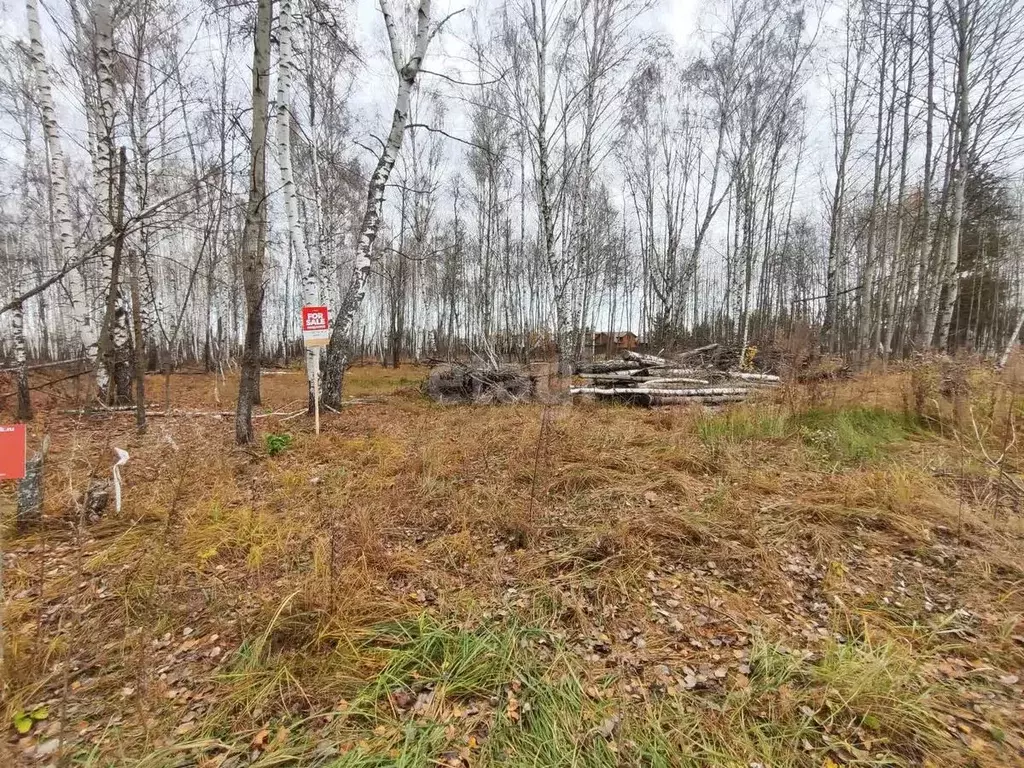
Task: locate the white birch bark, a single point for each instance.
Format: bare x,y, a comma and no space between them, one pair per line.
309,266
116,320
964,42
864,326
98,89
1003,358
59,186
407,70
21,361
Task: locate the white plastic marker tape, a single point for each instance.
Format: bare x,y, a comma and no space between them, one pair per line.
122,457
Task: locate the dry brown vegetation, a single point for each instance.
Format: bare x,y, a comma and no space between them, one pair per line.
832,577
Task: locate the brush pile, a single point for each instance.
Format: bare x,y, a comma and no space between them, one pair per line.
699,376
460,383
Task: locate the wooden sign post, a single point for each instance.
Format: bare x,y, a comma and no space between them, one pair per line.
316,333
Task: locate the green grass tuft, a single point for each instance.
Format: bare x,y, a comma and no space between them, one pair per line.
737,425
427,653
853,434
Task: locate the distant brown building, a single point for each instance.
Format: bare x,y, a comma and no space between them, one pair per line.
610,343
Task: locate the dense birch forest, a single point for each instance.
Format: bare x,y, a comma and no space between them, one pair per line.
504,180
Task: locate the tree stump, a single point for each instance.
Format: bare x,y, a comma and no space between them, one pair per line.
30,490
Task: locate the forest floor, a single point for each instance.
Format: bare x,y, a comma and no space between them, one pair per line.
827,577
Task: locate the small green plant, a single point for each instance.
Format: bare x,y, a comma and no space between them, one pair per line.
853,434
276,443
23,721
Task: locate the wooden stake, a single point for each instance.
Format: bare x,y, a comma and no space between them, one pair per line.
316,392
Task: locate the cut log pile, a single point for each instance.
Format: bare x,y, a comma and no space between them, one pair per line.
460,383
692,377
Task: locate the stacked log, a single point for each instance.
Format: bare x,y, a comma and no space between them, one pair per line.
687,378
460,383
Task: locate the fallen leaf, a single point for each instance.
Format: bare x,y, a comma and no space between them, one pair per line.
512,710
259,741
280,737
1009,679
607,728
184,728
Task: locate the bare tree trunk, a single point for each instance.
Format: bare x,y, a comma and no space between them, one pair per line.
851,82
336,359
114,341
140,348
864,325
925,289
21,360
308,265
890,307
1003,358
60,198
253,243
964,46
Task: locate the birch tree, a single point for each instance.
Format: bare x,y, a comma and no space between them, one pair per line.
60,198
254,233
310,267
407,67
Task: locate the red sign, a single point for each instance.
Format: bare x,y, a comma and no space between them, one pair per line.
12,452
315,328
314,319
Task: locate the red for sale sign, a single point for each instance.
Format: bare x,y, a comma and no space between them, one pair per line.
12,451
315,327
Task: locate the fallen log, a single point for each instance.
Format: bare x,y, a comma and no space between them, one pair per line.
645,360
697,351
37,366
121,410
655,400
658,400
657,391
613,376
673,372
629,380
607,366
751,376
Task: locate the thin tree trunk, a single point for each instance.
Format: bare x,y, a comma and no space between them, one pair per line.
21,360
336,359
139,349
253,242
925,297
60,198
1003,358
114,341
963,127
308,265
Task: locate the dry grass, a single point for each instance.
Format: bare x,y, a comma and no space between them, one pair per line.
832,577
